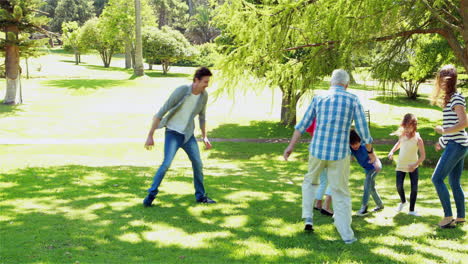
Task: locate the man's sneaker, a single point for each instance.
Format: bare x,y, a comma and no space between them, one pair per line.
148,200
362,211
400,207
350,241
414,213
308,225
378,208
205,199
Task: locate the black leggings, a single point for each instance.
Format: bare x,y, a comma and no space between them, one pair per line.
400,177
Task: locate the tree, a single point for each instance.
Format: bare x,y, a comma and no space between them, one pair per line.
72,36
99,6
72,10
200,28
413,63
263,31
138,70
17,17
120,15
165,46
49,7
172,13
101,36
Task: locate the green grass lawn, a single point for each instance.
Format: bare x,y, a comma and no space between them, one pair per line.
77,198
82,203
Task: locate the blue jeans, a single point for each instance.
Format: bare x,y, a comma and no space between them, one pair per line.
323,185
369,189
172,142
451,164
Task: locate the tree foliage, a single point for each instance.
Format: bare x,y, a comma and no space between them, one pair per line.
101,36
412,63
200,28
172,13
72,35
306,39
72,10
165,46
120,16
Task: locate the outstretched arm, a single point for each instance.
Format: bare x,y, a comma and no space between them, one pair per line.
395,148
149,140
289,149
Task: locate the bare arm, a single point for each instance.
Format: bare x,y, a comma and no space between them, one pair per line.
395,148
372,156
295,137
149,140
462,122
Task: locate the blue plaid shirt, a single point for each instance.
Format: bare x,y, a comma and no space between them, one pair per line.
334,113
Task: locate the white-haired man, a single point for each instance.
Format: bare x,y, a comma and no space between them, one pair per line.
329,148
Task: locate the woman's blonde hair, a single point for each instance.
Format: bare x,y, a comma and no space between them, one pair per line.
408,120
445,85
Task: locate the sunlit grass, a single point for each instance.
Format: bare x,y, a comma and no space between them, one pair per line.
89,212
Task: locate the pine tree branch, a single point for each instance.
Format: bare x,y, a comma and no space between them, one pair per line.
441,19
454,18
408,33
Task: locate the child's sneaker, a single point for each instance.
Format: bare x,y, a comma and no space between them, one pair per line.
414,213
308,224
378,208
400,207
362,211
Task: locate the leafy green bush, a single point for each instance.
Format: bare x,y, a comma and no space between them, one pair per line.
206,56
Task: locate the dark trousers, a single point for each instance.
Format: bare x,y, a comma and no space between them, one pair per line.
400,178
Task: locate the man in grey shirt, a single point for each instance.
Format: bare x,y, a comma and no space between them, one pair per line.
177,115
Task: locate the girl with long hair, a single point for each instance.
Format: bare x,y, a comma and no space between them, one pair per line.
409,143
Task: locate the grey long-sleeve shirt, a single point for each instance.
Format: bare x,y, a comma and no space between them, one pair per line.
173,104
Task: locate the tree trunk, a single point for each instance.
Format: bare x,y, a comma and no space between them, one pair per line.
27,68
165,66
191,7
288,106
12,68
162,16
77,56
351,77
128,55
150,66
138,70
106,56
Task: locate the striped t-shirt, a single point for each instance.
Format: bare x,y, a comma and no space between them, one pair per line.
451,119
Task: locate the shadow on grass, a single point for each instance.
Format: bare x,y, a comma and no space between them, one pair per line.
159,74
73,62
406,102
9,110
85,83
102,68
94,215
255,129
